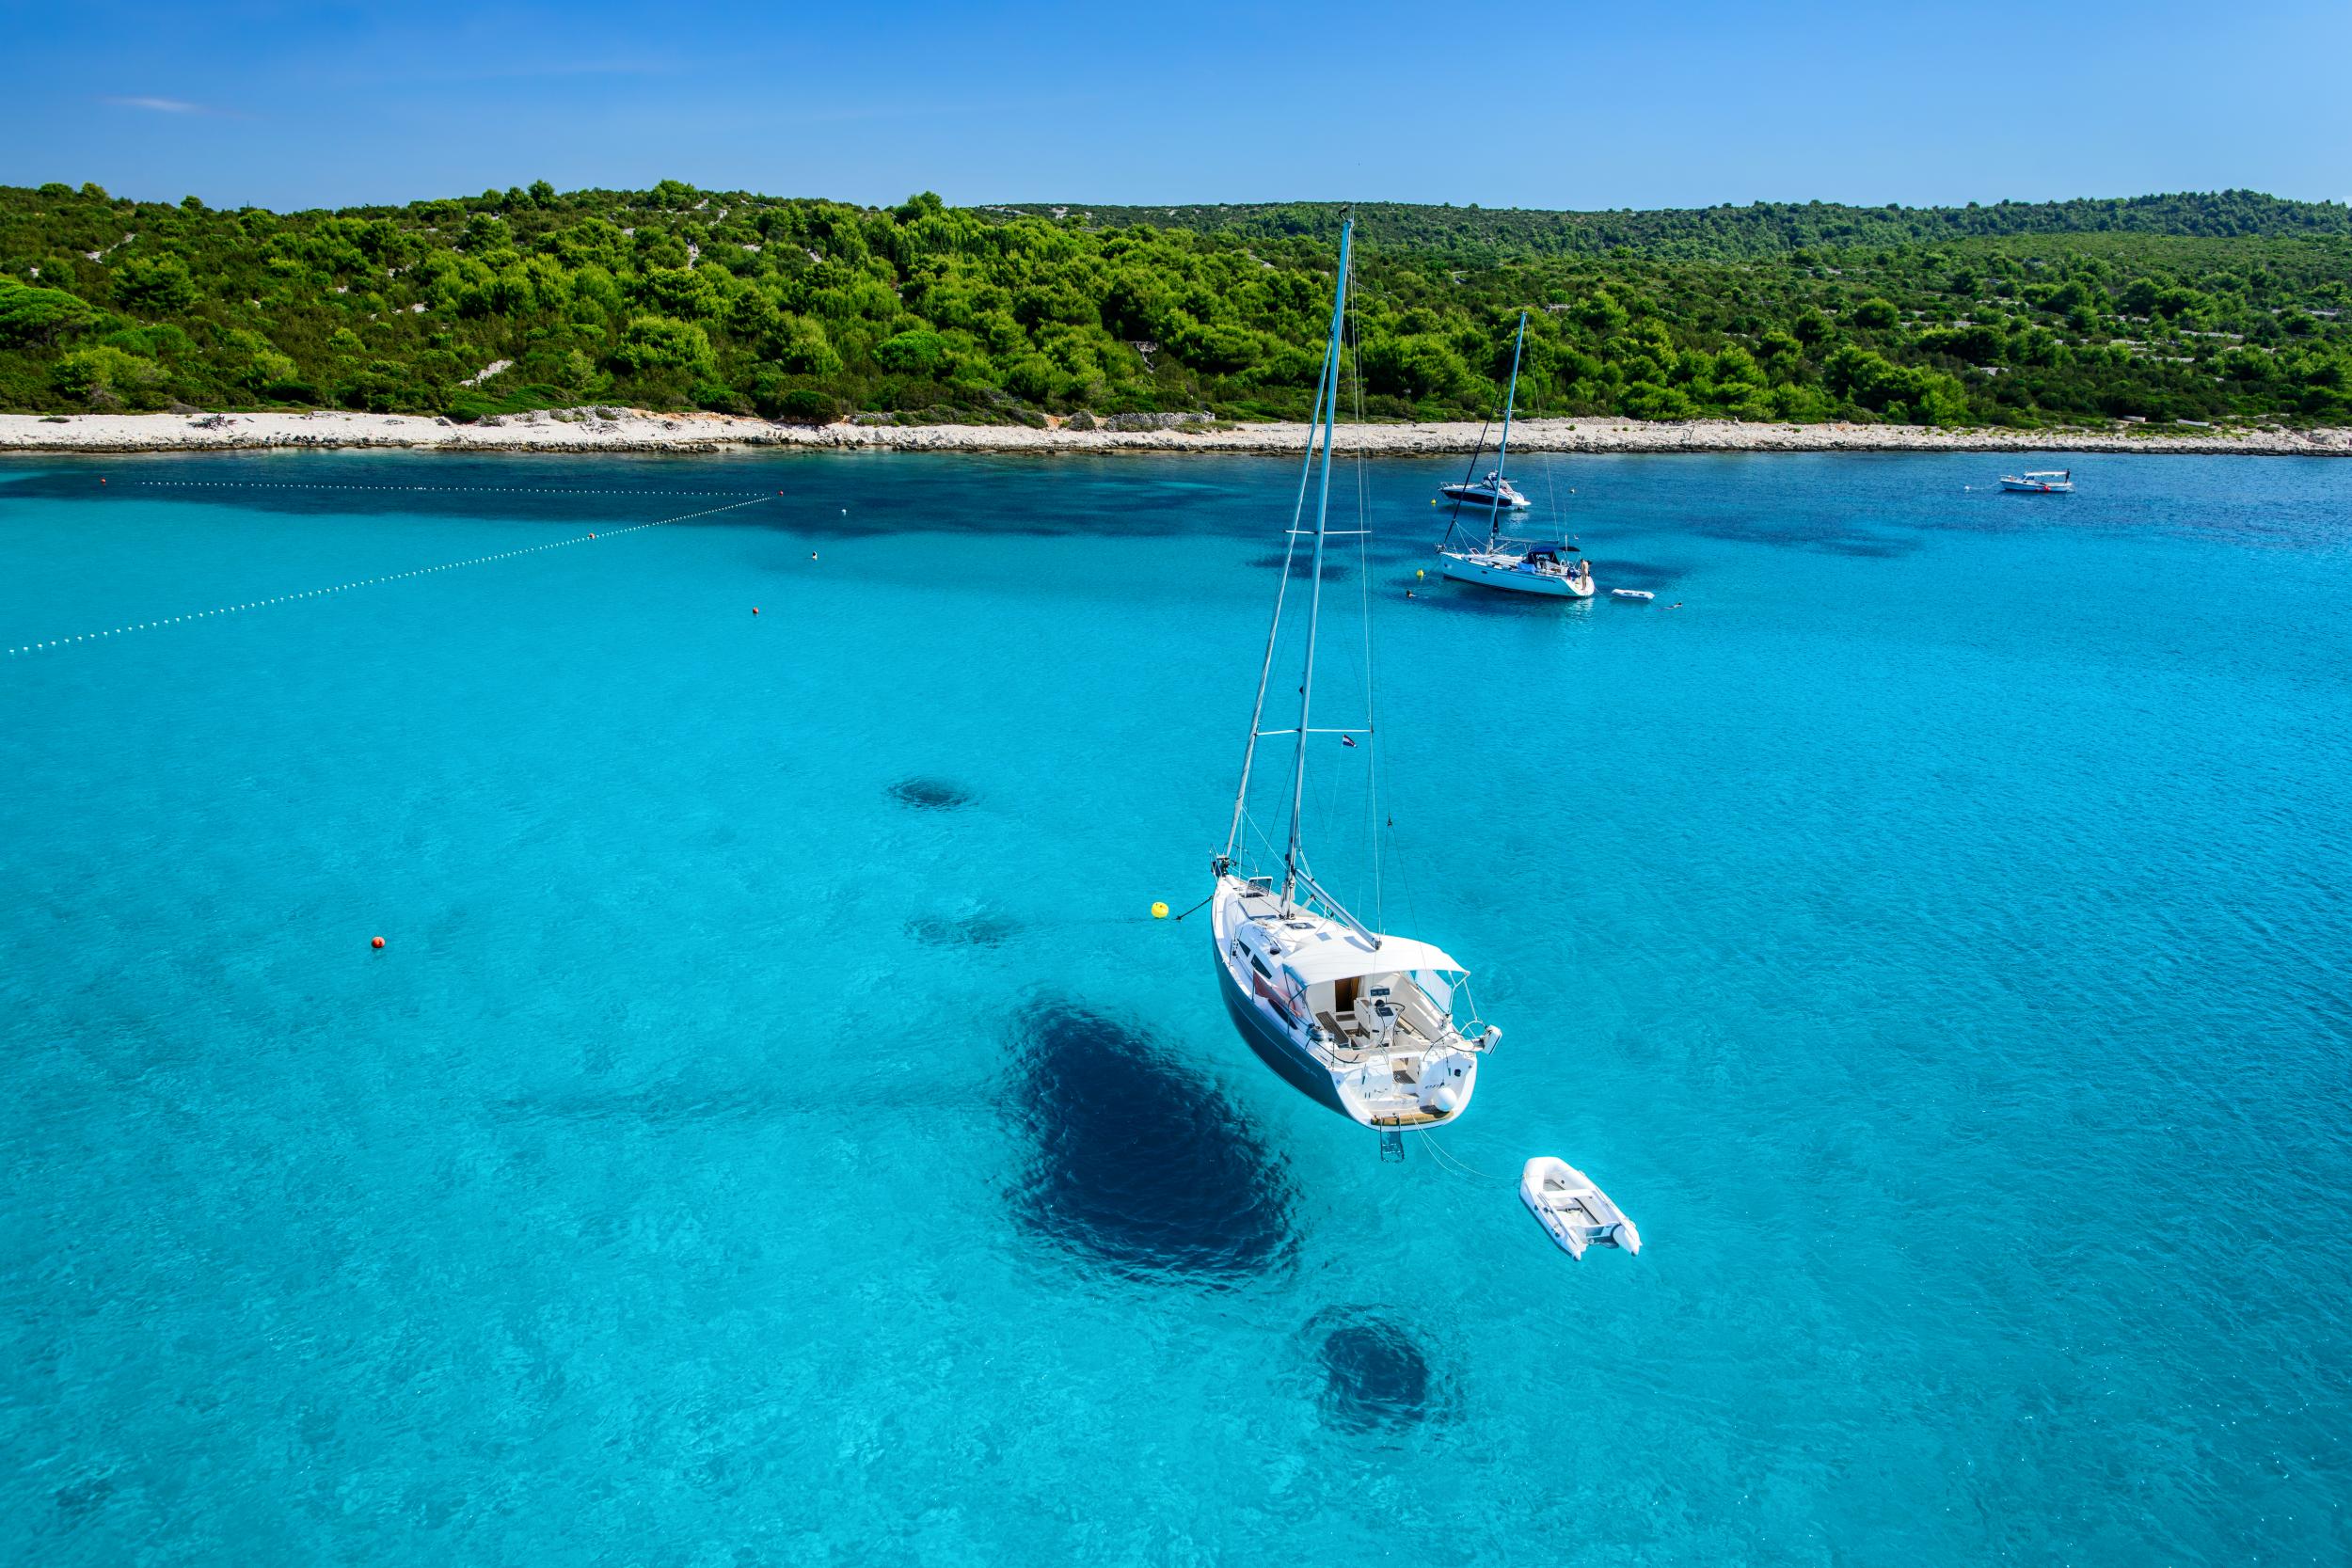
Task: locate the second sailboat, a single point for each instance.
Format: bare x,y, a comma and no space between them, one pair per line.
1520,565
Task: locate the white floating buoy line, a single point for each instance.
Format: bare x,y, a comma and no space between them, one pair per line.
388,577
426,489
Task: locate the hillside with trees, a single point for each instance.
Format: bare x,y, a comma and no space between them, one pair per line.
2164,308
1724,234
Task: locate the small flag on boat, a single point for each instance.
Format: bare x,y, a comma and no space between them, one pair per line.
1347,740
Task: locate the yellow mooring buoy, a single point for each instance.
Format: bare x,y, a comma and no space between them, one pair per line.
1159,911
1419,573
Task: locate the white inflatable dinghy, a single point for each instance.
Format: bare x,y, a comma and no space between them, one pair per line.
1642,593
1571,1209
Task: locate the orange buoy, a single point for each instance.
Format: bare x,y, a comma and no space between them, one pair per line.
755,610
375,941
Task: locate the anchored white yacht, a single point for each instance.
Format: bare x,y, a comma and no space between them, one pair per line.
1359,1020
1524,566
1494,490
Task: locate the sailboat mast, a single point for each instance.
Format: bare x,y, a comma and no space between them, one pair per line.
1328,385
1314,601
1502,452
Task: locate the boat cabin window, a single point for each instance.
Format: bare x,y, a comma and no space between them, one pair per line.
1259,964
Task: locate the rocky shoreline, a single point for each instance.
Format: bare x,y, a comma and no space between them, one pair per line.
640,431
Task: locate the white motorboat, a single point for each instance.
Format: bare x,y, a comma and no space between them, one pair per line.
2040,482
1574,1214
1357,1019
1494,490
1521,565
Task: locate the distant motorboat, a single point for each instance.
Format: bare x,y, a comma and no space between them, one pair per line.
1574,1214
1494,490
2040,482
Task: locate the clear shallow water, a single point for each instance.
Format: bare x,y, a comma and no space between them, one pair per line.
749,1146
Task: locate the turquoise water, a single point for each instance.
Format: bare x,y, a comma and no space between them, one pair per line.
774,1132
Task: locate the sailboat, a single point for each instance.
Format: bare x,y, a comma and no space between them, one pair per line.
1358,1019
1524,566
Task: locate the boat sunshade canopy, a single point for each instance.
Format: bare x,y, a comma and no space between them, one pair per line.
1342,955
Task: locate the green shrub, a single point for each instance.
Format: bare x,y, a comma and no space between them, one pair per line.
30,315
102,374
662,344
157,287
719,398
915,354
806,405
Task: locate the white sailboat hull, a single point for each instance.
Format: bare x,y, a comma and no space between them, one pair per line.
1389,1058
1509,572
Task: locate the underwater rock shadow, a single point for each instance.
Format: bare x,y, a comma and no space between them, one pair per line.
1136,1163
1333,571
1369,1376
963,930
926,794
1820,538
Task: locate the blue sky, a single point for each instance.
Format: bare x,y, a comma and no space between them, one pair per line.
1558,105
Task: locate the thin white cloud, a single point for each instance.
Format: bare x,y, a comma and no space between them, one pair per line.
170,106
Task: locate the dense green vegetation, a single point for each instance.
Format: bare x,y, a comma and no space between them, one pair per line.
2183,307
1731,233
